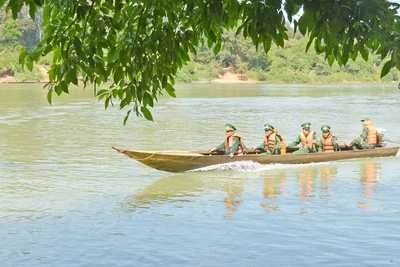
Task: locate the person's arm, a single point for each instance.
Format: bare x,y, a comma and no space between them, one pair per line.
235,146
278,143
317,143
221,147
364,133
295,142
335,143
319,146
261,147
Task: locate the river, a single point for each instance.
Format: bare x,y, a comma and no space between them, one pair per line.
68,199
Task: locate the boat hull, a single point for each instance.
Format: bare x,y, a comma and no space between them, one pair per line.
180,161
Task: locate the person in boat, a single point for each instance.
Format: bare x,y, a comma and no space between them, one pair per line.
233,144
328,141
368,137
308,140
273,142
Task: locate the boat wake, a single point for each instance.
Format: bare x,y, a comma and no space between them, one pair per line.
247,166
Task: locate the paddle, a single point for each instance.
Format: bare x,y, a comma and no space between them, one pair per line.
394,142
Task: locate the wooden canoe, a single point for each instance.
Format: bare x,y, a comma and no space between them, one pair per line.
180,161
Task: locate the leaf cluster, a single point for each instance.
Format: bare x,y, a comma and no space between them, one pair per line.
140,45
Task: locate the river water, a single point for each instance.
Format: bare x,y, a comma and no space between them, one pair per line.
68,199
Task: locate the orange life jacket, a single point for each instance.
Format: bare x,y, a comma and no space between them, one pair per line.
371,137
270,141
307,140
229,141
327,145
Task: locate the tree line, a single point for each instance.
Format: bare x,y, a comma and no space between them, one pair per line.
289,64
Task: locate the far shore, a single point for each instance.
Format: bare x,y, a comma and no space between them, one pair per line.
227,78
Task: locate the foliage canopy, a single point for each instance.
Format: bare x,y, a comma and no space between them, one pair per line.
140,45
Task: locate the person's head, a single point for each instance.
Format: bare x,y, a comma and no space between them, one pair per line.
325,130
306,127
229,129
268,128
366,121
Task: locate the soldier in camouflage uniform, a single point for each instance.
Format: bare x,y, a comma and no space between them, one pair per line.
368,137
308,140
233,144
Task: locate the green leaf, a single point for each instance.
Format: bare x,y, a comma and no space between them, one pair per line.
107,102
279,40
217,48
64,87
58,89
267,45
209,42
354,55
309,44
78,47
364,53
386,68
22,56
49,96
302,26
124,102
331,59
127,116
148,99
29,64
71,77
101,92
112,54
170,90
46,13
38,3
383,51
164,81
123,58
32,10
146,113
345,58
118,75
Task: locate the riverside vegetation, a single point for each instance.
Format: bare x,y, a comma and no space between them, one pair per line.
281,65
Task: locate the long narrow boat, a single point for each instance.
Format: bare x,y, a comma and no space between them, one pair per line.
180,161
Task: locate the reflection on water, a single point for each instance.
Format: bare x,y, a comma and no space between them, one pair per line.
370,174
234,191
174,188
313,181
272,187
327,173
307,177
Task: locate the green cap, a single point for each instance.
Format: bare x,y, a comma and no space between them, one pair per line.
365,119
268,127
306,125
230,127
325,128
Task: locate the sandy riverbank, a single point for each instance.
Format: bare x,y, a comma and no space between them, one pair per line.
228,77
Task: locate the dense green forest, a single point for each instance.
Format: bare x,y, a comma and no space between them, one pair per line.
282,65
